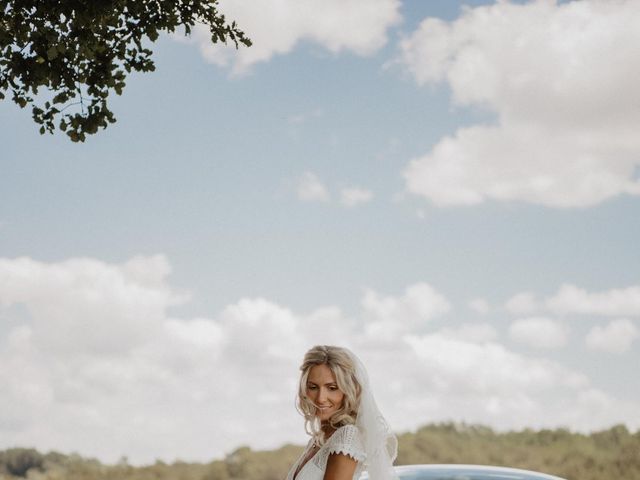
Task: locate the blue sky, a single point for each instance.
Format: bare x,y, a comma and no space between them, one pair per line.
359,181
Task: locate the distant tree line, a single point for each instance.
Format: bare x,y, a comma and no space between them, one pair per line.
604,455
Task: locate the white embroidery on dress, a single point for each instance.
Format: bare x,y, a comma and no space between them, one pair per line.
345,440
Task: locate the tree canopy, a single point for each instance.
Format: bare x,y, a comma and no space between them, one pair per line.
64,57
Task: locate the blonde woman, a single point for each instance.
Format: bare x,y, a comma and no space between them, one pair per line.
348,433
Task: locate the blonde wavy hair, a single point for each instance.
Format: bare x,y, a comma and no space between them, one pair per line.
343,368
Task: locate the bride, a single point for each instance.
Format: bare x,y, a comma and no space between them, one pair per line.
348,433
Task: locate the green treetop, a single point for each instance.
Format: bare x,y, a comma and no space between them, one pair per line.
79,51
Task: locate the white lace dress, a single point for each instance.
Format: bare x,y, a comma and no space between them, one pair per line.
345,439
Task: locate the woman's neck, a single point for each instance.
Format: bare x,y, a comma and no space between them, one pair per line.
327,429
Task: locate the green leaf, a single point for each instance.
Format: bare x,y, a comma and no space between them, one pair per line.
52,53
60,98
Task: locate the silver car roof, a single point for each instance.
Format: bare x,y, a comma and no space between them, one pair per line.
499,473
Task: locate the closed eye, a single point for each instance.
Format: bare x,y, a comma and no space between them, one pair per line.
312,386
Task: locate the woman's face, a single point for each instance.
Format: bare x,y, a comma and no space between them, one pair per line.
323,391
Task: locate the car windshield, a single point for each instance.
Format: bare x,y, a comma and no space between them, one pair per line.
464,472
468,474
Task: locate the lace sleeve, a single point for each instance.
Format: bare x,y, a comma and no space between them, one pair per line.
345,440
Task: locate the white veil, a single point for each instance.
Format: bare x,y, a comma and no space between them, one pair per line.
380,444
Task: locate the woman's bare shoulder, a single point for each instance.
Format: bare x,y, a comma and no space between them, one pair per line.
340,466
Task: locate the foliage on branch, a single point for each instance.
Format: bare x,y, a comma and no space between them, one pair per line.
18,461
79,51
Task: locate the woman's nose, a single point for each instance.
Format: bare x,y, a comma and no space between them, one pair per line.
322,395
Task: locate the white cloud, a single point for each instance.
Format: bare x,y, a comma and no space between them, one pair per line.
389,316
614,302
558,77
615,337
522,304
479,305
354,196
573,300
276,27
100,358
489,384
199,332
539,332
304,117
87,305
311,189
471,332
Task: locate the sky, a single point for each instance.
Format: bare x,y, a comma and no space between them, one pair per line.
448,188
